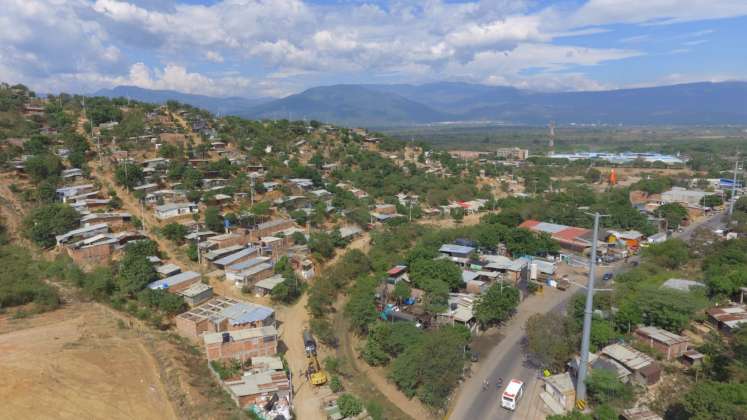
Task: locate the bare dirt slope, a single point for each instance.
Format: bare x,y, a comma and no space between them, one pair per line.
77,363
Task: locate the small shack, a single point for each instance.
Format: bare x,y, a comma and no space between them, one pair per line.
560,387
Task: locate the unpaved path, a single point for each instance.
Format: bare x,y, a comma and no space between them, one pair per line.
292,321
376,377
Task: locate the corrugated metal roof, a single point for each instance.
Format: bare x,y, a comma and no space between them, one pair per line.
247,264
455,249
244,313
629,357
173,280
270,282
238,335
660,335
469,275
550,227
228,259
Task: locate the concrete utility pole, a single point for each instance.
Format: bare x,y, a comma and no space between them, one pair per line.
588,310
734,188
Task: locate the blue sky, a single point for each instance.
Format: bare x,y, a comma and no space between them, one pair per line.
278,47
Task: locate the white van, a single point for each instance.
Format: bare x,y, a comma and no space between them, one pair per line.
512,394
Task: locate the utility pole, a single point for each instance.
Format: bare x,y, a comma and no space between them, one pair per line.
253,180
588,310
90,124
734,188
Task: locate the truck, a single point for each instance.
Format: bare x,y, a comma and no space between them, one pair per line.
512,394
309,343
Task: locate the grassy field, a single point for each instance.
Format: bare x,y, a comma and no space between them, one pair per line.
567,138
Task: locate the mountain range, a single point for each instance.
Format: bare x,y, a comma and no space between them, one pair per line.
378,105
217,105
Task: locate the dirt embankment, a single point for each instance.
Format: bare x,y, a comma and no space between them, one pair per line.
77,363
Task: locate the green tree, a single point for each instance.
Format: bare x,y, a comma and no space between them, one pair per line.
673,213
169,151
573,415
671,254
402,291
174,232
129,175
349,405
422,271
43,166
361,307
432,367
77,159
37,145
496,304
604,387
192,252
457,213
135,272
214,219
261,209
45,222
143,248
717,401
593,175
712,200
46,191
322,244
602,333
436,297
552,339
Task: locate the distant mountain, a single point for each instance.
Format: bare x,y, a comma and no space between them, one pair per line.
216,105
348,104
453,97
402,104
372,105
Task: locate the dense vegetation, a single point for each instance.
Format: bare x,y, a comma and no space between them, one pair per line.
23,281
720,391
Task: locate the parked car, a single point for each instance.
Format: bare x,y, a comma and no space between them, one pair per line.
608,276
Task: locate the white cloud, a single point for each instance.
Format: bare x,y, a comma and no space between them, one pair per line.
635,39
175,77
600,12
214,56
694,42
292,44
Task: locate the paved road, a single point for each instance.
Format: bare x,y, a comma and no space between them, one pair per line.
507,359
712,222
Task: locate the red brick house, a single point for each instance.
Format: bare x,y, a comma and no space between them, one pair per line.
669,344
241,344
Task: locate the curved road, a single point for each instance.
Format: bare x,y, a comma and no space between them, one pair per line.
507,359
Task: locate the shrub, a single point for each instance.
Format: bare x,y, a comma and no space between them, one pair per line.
335,385
349,405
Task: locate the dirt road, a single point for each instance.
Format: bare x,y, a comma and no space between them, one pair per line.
292,321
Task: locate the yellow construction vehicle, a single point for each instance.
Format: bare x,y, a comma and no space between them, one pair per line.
315,373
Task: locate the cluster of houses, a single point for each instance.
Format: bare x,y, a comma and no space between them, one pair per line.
641,361
479,271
